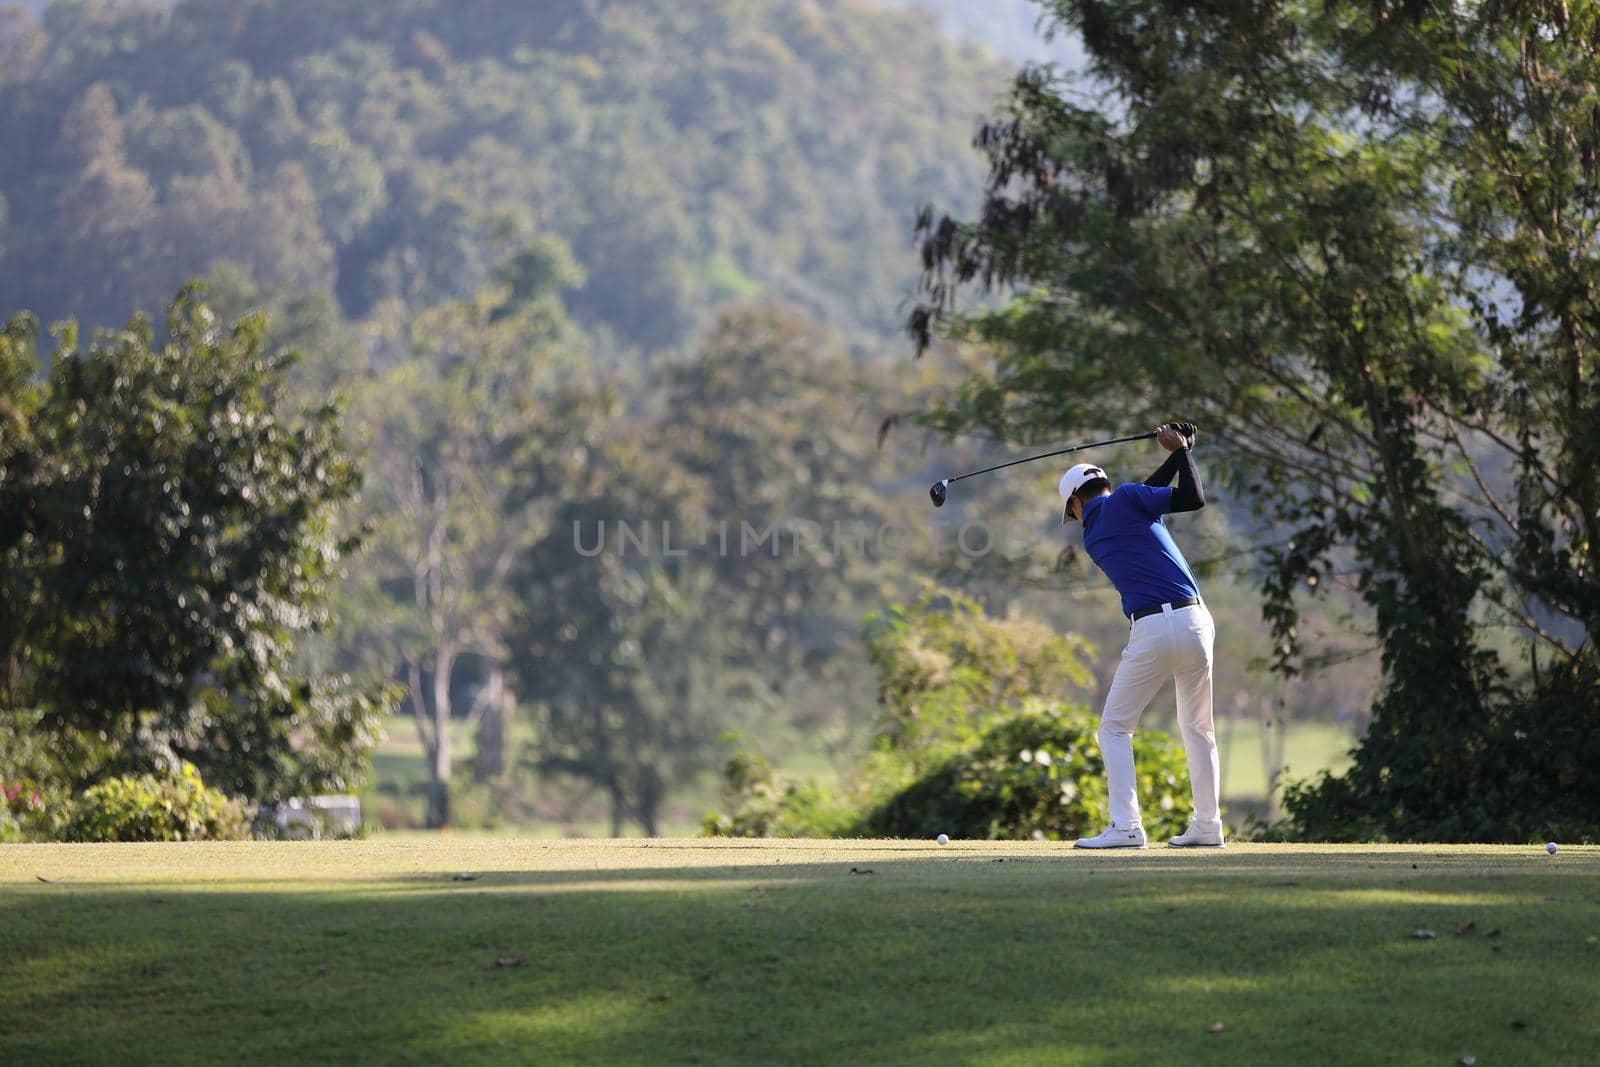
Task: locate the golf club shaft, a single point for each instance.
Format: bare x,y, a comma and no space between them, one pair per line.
1057,452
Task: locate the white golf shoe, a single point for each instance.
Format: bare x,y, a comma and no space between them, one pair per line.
1114,836
1198,836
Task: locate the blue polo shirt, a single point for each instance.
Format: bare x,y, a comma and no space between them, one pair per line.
1124,535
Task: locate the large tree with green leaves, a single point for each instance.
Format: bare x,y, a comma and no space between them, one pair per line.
169,537
1353,241
451,504
690,578
618,644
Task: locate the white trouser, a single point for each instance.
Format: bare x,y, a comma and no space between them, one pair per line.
1173,644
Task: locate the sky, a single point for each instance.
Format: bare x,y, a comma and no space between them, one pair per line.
1008,27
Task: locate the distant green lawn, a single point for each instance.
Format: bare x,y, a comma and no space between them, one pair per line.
1307,749
669,952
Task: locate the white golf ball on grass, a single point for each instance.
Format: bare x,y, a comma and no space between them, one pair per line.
944,839
1550,847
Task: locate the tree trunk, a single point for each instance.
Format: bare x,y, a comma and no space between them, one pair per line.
492,723
619,808
439,769
1273,730
647,806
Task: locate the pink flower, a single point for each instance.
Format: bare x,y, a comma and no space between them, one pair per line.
12,792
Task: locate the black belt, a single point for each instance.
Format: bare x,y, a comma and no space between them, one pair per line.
1187,602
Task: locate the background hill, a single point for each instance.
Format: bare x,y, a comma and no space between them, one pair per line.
688,153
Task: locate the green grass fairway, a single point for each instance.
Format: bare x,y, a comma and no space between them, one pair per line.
694,951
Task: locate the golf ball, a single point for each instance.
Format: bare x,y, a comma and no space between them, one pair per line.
1550,847
944,839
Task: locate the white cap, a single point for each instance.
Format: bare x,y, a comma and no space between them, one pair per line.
1076,478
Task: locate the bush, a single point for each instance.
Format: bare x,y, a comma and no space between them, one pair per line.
24,812
1530,772
762,804
35,765
1035,773
151,808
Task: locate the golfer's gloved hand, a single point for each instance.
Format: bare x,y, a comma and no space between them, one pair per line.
1183,431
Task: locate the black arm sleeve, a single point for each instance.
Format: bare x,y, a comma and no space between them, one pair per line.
1188,496
1166,472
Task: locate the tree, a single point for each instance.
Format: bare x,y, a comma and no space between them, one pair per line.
19,473
615,646
108,200
692,578
745,414
1281,231
170,538
451,503
1507,94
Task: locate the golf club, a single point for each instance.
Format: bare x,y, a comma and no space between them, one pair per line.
939,491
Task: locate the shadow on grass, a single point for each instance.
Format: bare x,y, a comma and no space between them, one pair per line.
940,959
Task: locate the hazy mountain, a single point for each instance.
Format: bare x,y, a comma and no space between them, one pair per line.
687,153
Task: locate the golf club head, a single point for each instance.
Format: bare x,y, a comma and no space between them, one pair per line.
937,491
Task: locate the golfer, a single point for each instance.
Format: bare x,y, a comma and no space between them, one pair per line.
1171,631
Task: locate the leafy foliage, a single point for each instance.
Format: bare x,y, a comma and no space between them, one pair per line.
942,663
148,807
401,185
35,796
1033,773
761,802
170,538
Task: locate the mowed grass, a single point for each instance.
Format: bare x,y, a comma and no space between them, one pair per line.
694,951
